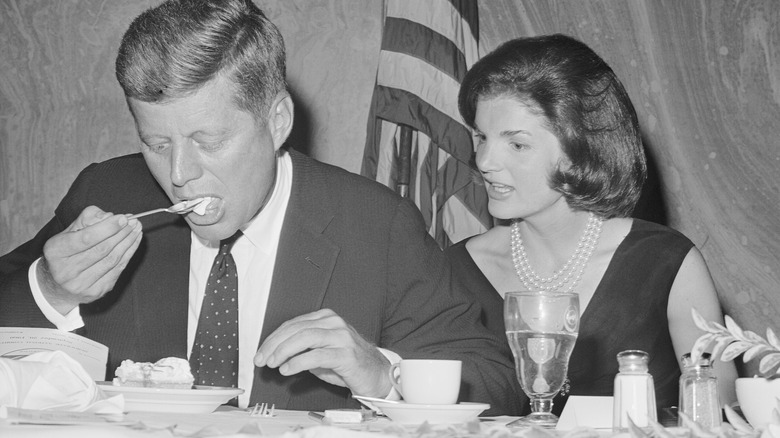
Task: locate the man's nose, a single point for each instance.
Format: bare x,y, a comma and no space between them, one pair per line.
185,164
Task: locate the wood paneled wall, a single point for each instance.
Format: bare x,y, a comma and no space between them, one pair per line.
704,76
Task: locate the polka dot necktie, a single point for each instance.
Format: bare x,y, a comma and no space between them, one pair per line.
214,358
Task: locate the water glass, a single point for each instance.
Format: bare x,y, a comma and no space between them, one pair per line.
541,329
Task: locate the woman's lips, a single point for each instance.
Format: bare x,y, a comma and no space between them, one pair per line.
498,190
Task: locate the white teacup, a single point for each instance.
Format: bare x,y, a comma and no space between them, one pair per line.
427,381
758,397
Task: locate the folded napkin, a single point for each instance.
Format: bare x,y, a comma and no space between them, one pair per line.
52,380
586,411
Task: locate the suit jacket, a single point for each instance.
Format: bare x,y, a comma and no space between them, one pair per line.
347,243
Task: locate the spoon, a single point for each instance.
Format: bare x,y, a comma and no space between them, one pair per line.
180,208
364,398
367,401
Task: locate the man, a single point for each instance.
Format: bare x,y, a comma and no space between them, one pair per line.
336,275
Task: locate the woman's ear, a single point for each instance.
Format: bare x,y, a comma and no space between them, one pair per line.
280,120
564,163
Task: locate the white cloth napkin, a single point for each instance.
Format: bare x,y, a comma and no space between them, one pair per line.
52,380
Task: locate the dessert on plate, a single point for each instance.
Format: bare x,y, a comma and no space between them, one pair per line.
170,373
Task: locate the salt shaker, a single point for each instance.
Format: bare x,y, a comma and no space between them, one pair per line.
699,392
634,391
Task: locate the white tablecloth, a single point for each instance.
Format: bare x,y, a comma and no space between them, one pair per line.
235,423
298,424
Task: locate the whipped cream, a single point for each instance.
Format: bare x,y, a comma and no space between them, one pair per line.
200,209
170,369
197,206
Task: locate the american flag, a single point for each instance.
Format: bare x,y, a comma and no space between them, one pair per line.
427,47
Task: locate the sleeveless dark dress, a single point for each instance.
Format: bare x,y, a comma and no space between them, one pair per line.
627,312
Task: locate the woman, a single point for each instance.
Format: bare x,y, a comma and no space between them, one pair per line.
558,146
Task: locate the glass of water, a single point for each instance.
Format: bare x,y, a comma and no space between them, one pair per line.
541,328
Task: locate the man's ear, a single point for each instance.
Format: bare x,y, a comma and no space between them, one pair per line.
280,119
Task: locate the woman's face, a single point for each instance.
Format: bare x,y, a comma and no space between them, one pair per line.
516,154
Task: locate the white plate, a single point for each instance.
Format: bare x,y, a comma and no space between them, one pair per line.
408,413
199,400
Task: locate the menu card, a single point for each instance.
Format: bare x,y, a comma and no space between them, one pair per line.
17,342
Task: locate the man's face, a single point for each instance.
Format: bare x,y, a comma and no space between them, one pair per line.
202,145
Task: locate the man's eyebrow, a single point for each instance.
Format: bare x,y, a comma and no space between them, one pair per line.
147,136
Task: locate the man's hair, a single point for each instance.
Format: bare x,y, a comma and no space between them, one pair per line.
585,107
172,50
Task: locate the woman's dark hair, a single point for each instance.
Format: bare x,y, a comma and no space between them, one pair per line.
172,50
586,108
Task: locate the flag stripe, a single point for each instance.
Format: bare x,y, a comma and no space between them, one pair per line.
451,178
386,160
420,78
414,39
469,12
457,220
456,20
404,107
427,172
422,144
473,197
373,142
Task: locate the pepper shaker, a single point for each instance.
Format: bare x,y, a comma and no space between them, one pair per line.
699,392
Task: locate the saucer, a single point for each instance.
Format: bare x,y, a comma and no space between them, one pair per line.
409,413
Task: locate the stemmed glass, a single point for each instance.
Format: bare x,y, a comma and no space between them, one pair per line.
542,329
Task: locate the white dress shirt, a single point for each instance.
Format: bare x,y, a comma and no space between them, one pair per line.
256,248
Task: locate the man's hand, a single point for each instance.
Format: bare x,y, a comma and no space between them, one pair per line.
324,344
82,263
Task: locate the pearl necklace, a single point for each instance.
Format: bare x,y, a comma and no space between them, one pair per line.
572,270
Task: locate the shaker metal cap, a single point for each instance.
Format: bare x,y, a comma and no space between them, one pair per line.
705,360
632,361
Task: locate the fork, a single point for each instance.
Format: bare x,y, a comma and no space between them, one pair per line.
262,410
179,208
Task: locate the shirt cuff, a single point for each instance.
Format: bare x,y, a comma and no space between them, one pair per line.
393,358
68,322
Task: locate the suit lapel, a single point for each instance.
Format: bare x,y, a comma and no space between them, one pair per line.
304,264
